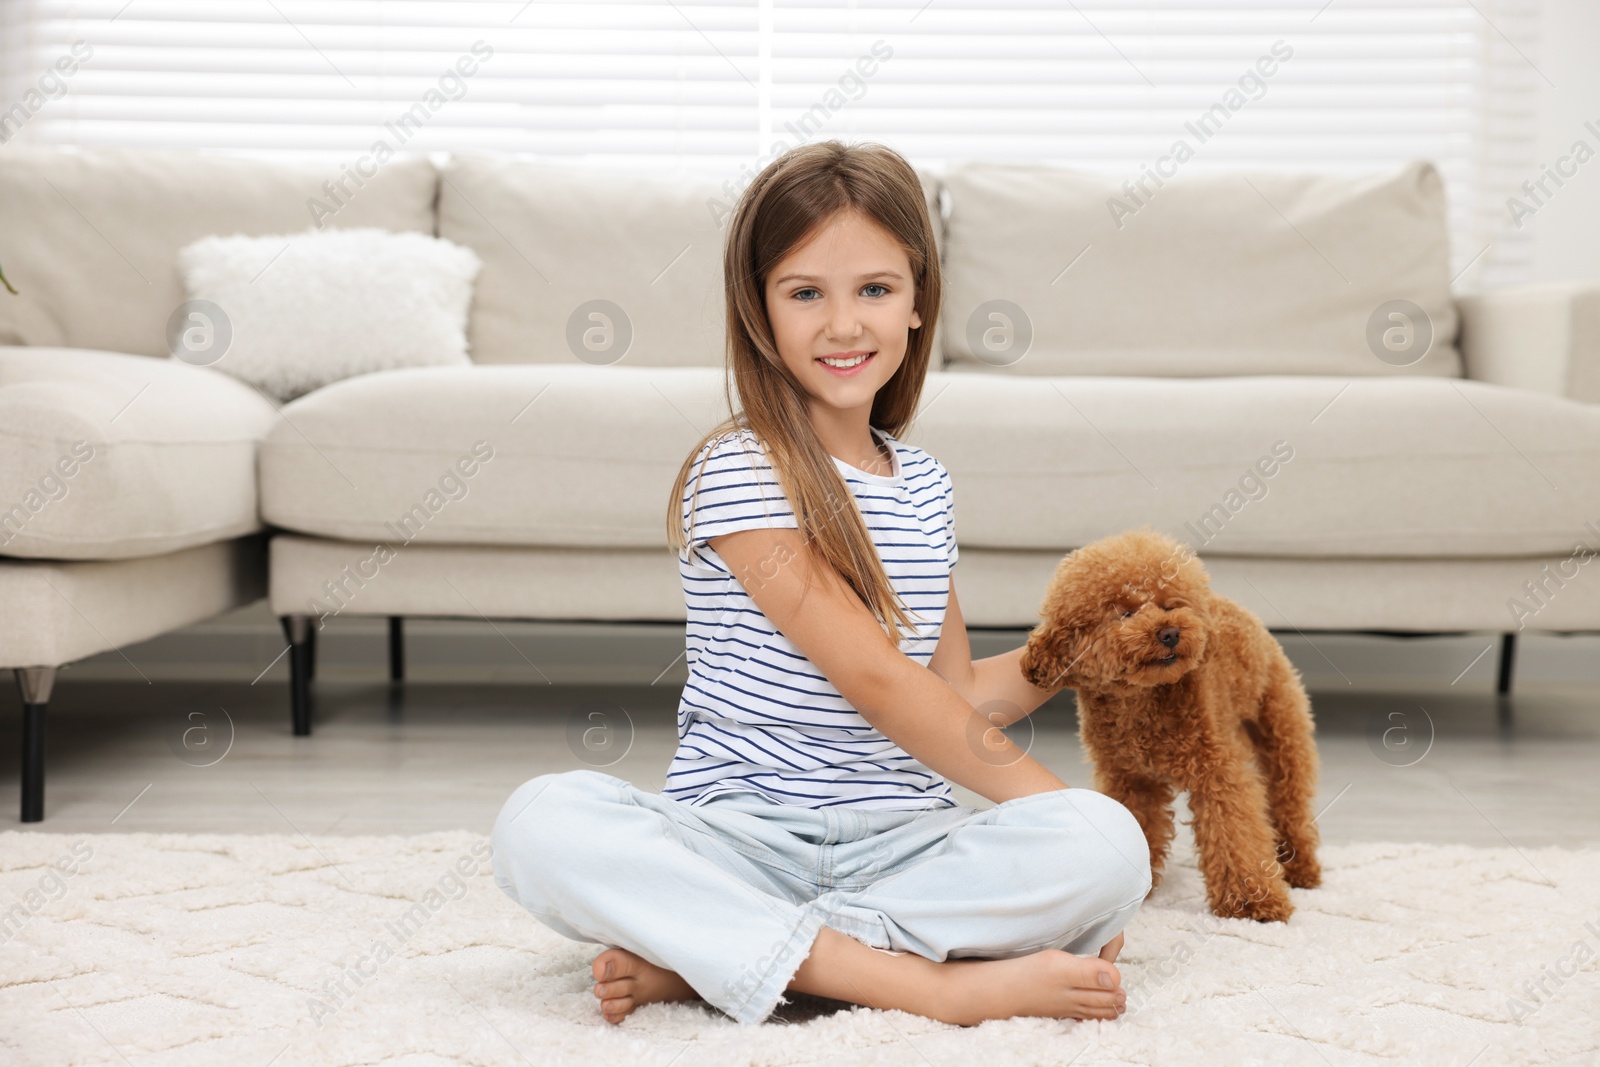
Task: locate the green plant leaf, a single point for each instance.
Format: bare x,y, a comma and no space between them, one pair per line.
6,283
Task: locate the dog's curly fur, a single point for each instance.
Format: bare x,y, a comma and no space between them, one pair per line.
1180,688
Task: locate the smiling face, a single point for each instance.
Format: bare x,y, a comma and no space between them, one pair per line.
844,292
1129,609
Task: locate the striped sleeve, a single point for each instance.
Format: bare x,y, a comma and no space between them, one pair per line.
731,486
949,513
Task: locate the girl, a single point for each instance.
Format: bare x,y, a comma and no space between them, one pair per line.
807,838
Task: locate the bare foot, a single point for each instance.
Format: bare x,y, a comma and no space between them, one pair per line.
1050,982
624,981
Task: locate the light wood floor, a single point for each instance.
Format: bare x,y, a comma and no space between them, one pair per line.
445,755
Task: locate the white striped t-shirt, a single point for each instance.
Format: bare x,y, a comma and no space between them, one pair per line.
756,715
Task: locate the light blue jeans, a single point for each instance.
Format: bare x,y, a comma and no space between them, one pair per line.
730,894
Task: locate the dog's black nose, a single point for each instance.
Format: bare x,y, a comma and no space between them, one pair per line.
1168,635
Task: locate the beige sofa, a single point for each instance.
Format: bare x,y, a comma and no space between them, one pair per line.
1214,357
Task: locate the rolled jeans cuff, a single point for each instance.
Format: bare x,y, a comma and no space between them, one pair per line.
766,989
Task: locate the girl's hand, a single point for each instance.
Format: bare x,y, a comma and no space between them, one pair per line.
1112,947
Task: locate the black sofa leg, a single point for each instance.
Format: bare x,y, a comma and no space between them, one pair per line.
311,654
297,629
1508,660
35,684
397,649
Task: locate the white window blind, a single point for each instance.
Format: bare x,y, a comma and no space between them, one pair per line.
717,87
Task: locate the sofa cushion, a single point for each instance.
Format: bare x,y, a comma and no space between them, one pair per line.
572,455
110,456
1268,466
541,454
556,240
1209,274
92,238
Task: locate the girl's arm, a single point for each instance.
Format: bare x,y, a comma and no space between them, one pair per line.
994,685
910,705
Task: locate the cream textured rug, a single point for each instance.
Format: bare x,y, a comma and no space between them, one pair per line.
178,950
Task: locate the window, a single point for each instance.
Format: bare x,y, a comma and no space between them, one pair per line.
718,86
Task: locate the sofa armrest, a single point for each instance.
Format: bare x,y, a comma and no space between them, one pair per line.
1540,337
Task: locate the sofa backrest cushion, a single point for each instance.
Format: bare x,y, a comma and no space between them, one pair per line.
556,240
1215,274
565,248
91,239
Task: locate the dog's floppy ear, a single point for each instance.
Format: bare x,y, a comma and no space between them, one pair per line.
1202,601
1056,643
1052,651
1190,578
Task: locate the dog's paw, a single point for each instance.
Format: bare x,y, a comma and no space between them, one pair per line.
1265,901
1275,908
1303,872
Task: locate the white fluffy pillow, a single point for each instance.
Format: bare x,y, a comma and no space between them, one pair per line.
299,311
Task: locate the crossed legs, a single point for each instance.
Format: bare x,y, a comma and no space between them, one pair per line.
1029,892
1049,982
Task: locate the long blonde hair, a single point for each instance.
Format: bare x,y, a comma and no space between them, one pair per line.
795,194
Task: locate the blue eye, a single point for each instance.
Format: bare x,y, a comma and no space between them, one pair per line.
869,285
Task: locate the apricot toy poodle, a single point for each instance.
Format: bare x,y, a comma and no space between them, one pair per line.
1180,688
